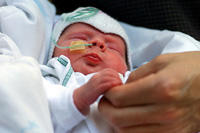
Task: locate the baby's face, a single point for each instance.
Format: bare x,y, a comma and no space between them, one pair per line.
108,50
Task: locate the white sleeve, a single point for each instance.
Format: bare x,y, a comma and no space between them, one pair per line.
22,97
28,23
146,43
64,114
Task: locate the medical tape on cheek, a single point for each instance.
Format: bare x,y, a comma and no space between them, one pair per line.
75,45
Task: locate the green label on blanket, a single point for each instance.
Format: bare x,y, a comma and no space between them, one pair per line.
62,61
67,77
81,14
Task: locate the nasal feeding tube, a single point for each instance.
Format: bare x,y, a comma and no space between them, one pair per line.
75,45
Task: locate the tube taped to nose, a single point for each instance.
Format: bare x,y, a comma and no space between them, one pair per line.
75,45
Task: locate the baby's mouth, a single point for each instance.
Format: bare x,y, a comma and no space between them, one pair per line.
92,59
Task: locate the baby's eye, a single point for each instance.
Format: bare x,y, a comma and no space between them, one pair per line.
80,37
110,46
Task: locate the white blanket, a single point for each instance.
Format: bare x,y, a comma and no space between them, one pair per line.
24,31
28,23
24,107
146,44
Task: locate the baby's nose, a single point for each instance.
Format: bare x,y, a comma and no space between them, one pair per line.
100,44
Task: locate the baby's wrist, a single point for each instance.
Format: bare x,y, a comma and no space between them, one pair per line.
79,103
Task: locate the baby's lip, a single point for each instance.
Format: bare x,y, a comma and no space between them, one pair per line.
93,58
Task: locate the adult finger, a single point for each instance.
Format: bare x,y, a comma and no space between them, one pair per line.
142,91
161,87
149,68
183,127
141,115
155,82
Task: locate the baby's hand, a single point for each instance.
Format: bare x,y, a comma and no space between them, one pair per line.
96,86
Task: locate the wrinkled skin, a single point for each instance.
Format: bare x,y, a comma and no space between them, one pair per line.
161,96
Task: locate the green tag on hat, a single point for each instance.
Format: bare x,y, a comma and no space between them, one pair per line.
81,14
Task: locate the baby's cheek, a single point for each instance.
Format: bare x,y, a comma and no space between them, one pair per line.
121,68
117,63
58,52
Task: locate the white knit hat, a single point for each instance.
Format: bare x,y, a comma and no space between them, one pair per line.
93,17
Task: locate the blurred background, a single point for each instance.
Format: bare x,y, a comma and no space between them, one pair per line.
175,15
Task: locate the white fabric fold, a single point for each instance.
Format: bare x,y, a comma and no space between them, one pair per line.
28,23
22,97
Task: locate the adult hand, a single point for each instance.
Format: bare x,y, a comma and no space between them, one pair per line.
161,96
